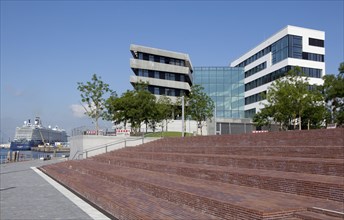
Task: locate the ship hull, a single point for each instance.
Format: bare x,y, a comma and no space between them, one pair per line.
22,146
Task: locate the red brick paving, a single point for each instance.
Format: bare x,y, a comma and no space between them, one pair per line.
278,175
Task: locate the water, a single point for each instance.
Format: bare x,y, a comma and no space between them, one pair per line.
27,155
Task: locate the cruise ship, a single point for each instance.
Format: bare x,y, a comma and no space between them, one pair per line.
32,135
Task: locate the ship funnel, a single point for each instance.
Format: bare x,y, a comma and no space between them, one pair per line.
37,121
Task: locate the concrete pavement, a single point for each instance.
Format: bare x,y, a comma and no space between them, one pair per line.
26,193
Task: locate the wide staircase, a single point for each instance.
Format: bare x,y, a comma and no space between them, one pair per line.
277,175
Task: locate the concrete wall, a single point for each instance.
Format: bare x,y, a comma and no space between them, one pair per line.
81,145
176,125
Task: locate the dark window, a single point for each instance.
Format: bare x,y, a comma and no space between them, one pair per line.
316,42
313,56
295,46
255,98
151,89
151,58
255,57
255,69
250,113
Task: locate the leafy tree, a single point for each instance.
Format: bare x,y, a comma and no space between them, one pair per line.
132,107
199,105
118,108
146,107
92,94
263,118
333,90
164,108
290,100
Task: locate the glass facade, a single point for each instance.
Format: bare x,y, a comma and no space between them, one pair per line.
288,46
225,86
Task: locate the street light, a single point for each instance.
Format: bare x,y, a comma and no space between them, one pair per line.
182,116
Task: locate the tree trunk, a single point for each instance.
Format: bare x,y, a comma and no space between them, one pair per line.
201,128
97,126
300,123
294,123
308,125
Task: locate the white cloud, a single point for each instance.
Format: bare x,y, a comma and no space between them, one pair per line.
77,110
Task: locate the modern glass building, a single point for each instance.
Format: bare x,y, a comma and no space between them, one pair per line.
272,59
225,86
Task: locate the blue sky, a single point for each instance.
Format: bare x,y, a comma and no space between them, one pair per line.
49,46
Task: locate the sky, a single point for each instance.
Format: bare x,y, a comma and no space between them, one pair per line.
47,47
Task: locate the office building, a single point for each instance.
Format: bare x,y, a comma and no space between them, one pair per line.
167,73
273,58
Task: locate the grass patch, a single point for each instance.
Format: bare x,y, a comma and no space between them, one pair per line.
167,134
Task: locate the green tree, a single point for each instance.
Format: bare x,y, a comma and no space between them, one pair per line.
264,117
199,105
333,90
290,99
132,107
164,108
92,94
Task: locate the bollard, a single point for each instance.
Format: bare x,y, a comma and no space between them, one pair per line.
9,154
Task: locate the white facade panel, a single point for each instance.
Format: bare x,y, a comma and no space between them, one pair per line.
304,32
160,82
149,65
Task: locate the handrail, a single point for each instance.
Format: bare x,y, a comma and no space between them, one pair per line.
112,144
75,154
103,145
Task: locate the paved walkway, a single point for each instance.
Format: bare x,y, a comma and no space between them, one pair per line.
26,193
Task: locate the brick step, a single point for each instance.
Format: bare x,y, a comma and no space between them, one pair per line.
219,199
332,167
328,212
308,215
256,140
122,202
334,152
318,186
297,138
244,142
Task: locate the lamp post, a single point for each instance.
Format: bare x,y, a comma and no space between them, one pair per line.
182,116
215,120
